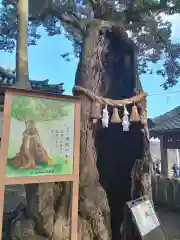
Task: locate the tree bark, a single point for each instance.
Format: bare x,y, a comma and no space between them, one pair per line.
22,78
91,74
94,216
141,172
47,215
94,220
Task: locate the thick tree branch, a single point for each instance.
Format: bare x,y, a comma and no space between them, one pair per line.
96,8
67,18
102,9
71,19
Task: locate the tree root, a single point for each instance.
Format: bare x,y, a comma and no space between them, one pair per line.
54,217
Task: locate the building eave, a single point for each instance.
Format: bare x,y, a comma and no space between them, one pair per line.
9,79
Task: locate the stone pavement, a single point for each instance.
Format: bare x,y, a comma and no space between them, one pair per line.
170,222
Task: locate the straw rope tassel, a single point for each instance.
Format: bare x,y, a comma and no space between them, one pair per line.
134,114
115,116
96,112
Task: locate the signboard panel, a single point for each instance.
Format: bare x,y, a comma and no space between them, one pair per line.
145,217
45,142
141,221
40,143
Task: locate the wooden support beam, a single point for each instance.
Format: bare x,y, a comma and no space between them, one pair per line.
164,158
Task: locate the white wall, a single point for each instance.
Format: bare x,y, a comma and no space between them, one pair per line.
154,139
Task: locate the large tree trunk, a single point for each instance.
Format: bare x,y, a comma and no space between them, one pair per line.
47,215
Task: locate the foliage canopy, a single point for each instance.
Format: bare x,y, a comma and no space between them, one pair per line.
142,19
37,109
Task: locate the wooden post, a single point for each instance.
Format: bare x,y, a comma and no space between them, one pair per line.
75,188
164,158
3,153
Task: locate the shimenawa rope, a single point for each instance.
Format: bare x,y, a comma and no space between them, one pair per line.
107,101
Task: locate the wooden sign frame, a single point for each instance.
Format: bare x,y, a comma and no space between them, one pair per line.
74,177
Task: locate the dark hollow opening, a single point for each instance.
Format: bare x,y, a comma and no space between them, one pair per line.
118,150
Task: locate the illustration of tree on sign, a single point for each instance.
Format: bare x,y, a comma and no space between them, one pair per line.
31,110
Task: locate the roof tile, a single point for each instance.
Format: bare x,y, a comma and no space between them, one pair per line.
8,77
167,122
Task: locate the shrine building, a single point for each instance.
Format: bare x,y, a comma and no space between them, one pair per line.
166,128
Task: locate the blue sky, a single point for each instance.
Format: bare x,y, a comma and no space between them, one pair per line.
45,63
